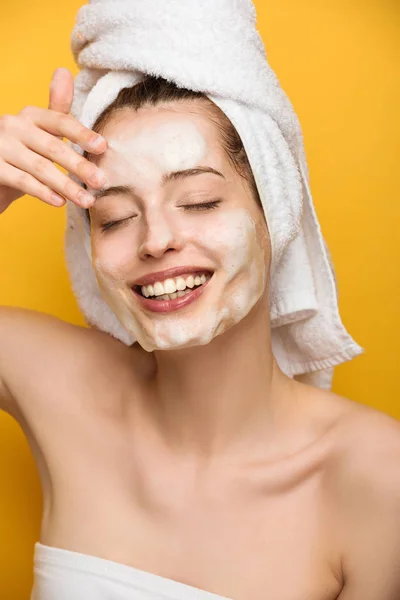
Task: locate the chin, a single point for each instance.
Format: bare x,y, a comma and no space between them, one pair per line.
175,342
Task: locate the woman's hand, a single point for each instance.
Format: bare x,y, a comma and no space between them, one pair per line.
31,142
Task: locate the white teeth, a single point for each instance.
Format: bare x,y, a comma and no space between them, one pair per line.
158,289
180,283
171,286
190,281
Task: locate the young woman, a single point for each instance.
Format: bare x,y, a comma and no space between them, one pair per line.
191,472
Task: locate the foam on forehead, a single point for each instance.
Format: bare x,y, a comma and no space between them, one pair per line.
174,146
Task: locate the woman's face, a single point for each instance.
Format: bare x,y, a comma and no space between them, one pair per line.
177,223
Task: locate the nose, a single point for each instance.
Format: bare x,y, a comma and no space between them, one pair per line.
158,237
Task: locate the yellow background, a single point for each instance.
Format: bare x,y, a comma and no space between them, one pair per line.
338,61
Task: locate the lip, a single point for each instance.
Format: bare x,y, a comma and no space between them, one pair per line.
164,306
151,278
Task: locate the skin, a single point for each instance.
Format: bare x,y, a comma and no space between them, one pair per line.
204,464
165,236
231,239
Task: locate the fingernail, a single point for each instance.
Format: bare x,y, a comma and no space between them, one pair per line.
57,74
97,142
85,198
58,200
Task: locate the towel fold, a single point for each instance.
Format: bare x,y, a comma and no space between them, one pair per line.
213,46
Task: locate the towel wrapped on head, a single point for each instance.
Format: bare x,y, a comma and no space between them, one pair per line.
212,46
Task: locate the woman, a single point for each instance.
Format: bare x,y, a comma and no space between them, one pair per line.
188,465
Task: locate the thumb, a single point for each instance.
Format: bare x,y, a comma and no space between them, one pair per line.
61,91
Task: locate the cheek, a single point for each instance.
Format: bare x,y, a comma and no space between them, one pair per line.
234,238
112,258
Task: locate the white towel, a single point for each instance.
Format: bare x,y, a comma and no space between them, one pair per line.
213,46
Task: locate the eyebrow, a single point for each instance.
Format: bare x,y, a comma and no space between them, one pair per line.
172,176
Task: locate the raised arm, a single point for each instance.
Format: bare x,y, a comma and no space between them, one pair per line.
32,346
30,143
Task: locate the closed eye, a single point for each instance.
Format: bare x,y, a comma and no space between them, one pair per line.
202,206
110,224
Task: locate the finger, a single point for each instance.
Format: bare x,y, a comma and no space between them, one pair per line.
61,91
17,179
46,173
59,152
63,125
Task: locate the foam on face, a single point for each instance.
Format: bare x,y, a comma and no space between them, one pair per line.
229,242
169,147
236,286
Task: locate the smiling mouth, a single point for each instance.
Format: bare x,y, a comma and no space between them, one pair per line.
165,303
186,286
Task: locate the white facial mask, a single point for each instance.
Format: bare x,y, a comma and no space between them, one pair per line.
237,284
234,289
170,147
227,243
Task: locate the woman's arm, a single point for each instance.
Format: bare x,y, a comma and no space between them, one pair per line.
33,346
5,395
30,143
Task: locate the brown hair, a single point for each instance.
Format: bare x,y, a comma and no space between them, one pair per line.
153,91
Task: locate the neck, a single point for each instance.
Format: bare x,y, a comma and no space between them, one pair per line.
226,397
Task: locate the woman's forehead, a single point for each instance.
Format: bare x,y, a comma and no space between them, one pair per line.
161,141
151,118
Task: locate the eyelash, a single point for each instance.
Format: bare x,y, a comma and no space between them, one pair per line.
203,206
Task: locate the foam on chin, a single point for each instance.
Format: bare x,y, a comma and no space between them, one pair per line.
229,242
236,286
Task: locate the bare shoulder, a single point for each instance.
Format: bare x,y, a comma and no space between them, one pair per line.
362,495
363,437
361,491
365,497
356,428
371,456
362,445
41,355
367,435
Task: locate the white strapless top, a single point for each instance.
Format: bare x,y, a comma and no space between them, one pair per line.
65,575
